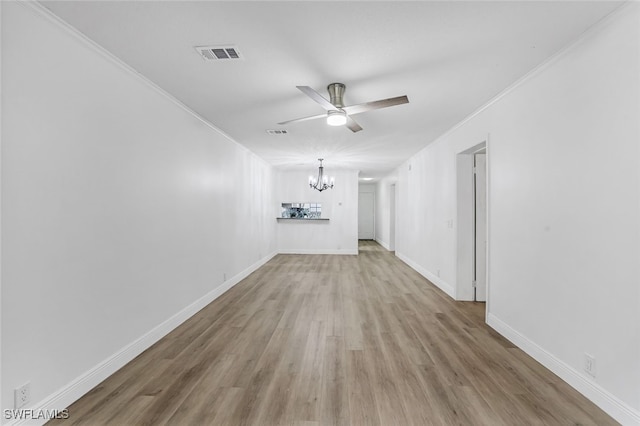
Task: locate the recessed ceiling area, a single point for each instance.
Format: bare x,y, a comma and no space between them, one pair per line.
449,58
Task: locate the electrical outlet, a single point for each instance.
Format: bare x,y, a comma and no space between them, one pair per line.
22,395
590,364
438,272
224,276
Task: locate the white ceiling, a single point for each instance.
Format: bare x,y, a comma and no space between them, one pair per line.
448,57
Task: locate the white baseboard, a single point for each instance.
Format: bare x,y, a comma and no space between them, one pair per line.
77,388
318,251
436,280
617,409
383,244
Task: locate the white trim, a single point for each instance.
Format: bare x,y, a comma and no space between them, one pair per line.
318,251
383,244
72,31
616,408
75,389
435,280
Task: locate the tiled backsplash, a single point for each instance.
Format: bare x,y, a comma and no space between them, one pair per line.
301,210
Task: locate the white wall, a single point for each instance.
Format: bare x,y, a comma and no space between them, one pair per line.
121,210
564,203
425,194
339,235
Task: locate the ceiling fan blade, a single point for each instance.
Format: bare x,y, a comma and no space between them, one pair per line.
352,125
311,117
369,106
324,103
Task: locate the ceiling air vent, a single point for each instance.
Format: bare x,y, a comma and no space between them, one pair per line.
277,132
215,53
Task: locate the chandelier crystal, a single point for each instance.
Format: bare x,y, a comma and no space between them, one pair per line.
322,182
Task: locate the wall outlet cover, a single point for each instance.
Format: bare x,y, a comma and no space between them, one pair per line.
590,364
22,395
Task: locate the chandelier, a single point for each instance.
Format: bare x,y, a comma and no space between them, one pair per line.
322,182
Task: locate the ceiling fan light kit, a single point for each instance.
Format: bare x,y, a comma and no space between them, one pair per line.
336,118
337,113
322,182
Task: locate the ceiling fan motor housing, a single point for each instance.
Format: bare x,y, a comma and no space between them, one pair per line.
336,92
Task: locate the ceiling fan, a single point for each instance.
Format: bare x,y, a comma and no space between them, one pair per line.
337,113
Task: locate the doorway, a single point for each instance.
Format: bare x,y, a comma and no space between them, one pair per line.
480,225
366,217
472,224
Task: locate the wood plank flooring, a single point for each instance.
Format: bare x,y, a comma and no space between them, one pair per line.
335,340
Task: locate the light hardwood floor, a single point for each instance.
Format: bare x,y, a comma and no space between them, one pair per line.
323,340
